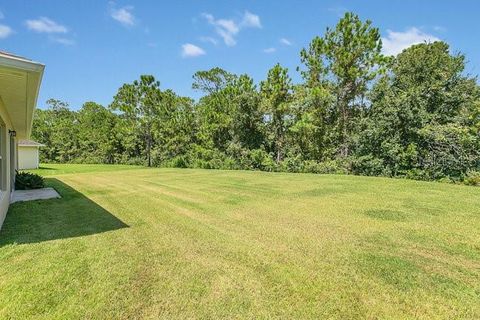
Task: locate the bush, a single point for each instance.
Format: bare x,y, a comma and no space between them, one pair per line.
27,181
415,174
326,167
472,178
447,151
178,162
261,160
291,163
368,166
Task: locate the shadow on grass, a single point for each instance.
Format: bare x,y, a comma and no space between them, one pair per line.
47,168
73,215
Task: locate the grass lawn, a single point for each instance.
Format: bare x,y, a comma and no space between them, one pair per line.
128,242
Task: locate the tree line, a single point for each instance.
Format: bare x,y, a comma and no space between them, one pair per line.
415,115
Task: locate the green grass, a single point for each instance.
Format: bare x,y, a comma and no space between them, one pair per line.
49,169
173,243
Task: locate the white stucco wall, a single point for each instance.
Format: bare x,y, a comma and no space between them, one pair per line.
5,164
27,157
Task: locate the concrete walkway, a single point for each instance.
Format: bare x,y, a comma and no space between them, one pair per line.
35,194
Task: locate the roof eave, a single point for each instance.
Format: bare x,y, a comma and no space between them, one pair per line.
19,63
40,69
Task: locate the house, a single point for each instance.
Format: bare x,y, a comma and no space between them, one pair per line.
28,154
20,80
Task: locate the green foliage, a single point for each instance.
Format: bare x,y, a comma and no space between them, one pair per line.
140,103
416,115
472,178
345,61
368,166
276,95
28,180
58,129
325,167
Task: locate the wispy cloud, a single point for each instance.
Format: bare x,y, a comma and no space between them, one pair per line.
250,20
227,29
64,41
124,15
269,50
395,42
5,31
339,11
52,28
439,28
209,40
285,42
45,25
190,50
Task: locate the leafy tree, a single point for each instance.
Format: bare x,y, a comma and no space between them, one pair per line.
212,81
247,118
140,103
276,92
57,128
96,133
214,110
312,132
174,127
415,115
424,98
347,58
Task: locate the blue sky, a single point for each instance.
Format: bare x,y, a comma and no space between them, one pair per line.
91,48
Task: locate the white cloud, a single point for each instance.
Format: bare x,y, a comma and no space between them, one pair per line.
124,15
191,50
227,29
251,20
64,41
5,31
339,11
209,40
396,42
269,50
45,25
439,28
229,25
285,42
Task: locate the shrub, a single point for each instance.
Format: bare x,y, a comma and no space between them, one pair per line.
415,174
326,167
291,163
261,160
368,166
27,181
447,150
472,178
178,162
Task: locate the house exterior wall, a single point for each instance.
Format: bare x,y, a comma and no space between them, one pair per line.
5,172
27,157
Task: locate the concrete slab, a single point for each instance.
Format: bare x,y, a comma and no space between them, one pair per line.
35,194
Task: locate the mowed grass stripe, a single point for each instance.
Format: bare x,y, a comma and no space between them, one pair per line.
233,244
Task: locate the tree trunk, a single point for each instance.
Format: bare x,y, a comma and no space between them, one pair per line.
279,144
343,106
149,147
344,147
